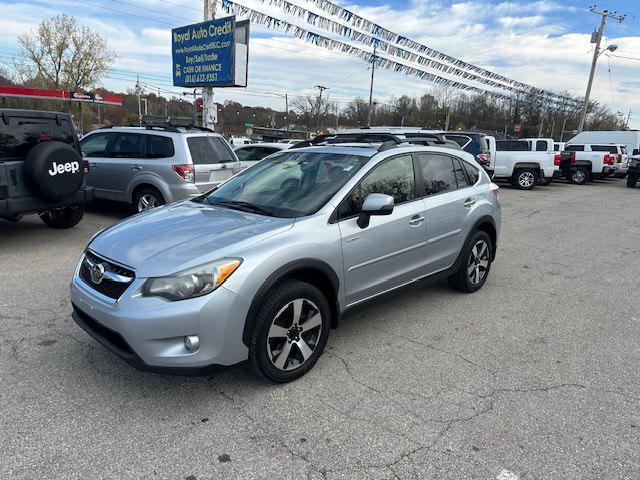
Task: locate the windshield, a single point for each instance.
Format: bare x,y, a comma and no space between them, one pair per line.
287,184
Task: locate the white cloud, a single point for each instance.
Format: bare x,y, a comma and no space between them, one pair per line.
512,22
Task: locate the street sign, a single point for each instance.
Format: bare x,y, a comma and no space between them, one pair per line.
517,127
207,54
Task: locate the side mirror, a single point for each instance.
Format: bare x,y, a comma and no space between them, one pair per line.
375,204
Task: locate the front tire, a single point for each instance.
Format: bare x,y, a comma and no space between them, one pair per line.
290,332
61,218
475,266
525,179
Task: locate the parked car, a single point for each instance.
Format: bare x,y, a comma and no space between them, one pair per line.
149,166
41,168
524,163
250,154
291,141
634,168
588,164
238,141
263,267
629,138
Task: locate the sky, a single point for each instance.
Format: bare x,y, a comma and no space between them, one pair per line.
544,43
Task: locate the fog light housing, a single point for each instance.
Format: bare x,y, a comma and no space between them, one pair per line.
191,343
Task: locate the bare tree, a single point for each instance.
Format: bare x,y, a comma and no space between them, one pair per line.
64,55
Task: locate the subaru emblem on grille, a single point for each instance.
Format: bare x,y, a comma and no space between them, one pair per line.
97,273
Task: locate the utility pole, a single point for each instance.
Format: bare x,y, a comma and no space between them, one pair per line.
564,124
139,91
208,104
321,89
626,125
447,120
373,73
286,109
596,53
541,124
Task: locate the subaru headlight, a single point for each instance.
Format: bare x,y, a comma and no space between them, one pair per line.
191,283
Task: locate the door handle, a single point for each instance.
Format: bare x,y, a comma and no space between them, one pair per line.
136,167
469,202
416,221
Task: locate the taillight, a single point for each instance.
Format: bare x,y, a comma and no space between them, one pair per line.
483,158
45,138
557,158
495,190
619,158
609,159
573,158
185,172
85,166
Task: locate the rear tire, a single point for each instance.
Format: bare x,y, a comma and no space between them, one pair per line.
294,320
62,218
579,176
475,266
14,219
545,182
147,198
632,180
525,179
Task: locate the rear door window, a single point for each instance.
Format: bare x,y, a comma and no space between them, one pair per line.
541,146
128,145
438,173
24,132
209,150
96,145
159,147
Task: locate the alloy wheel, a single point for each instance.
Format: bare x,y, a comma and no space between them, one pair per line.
147,202
579,176
526,179
294,334
478,264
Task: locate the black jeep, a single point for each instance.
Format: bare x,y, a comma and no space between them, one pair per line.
41,168
634,169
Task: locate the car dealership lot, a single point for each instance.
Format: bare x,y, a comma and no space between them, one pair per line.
535,376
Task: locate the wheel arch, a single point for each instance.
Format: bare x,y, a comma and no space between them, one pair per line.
315,272
521,165
143,181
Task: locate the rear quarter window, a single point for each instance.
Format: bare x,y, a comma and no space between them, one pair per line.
159,147
23,133
574,148
209,150
604,148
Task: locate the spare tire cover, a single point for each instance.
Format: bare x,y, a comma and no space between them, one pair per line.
54,170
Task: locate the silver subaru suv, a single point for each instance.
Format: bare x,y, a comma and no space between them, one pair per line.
264,266
152,165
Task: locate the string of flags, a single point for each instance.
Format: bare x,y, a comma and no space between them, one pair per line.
262,19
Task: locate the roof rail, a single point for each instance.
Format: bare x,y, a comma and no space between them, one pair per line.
386,140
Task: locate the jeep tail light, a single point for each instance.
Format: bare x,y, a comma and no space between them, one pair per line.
45,138
557,158
85,166
483,158
185,172
573,158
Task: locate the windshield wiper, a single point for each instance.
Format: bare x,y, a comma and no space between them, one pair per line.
243,206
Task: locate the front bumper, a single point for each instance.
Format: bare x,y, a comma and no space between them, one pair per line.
23,205
148,332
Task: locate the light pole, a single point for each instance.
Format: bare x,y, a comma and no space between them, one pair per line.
597,36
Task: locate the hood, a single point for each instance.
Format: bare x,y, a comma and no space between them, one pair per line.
178,236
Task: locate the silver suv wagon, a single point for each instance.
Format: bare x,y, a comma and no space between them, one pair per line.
262,267
149,166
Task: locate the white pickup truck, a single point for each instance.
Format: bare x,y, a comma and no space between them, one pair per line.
525,163
591,161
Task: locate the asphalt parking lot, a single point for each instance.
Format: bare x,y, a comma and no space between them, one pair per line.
535,377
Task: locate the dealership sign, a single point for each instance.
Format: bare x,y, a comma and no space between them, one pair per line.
210,54
44,94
